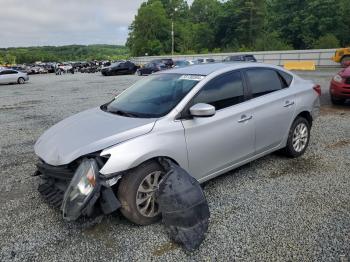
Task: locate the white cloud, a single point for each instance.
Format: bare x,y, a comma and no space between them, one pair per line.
52,22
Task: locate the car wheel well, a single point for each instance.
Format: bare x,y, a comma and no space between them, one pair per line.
344,56
307,116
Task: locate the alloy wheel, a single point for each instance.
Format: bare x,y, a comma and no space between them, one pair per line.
145,196
300,137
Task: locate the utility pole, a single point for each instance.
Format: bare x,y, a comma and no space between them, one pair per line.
172,33
172,37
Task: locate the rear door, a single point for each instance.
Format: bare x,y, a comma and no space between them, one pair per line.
273,105
216,143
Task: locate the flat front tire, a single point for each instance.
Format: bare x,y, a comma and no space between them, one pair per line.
298,138
136,193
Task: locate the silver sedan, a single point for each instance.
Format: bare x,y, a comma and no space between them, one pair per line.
9,76
208,119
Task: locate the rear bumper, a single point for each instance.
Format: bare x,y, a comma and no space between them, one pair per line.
339,90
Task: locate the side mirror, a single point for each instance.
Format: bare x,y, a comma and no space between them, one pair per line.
202,110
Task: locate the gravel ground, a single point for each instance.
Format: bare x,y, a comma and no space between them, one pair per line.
273,209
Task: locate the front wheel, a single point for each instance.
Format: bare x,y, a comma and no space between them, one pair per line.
20,80
298,138
136,193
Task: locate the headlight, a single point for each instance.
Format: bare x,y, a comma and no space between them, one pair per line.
338,78
80,190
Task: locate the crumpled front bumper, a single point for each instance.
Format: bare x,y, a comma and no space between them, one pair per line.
55,182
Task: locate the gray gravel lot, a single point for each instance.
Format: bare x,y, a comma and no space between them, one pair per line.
274,209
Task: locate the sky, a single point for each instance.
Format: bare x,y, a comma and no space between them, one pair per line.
65,22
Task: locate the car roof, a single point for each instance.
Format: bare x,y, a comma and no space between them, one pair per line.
206,69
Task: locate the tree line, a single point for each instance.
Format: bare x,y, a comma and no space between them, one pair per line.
238,25
22,55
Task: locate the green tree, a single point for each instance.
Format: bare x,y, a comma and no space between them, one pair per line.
150,31
300,23
271,41
241,23
327,41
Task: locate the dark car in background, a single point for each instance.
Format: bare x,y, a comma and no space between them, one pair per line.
240,58
120,68
168,62
151,68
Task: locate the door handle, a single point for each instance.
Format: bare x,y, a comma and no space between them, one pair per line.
244,118
288,103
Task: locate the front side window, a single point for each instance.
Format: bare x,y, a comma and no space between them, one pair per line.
222,92
154,96
263,81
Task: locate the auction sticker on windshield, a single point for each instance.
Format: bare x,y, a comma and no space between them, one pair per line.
192,77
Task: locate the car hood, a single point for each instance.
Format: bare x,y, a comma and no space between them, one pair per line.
88,132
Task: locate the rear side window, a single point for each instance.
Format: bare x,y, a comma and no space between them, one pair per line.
286,78
222,92
263,81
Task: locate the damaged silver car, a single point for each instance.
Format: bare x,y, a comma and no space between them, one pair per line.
208,119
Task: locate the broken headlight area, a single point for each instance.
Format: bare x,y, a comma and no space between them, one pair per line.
78,189
83,191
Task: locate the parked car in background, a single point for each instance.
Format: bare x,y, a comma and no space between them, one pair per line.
209,119
9,76
181,63
205,60
193,62
120,68
66,67
240,58
342,56
168,62
340,87
151,68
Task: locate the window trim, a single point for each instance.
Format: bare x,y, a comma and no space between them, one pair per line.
184,114
249,86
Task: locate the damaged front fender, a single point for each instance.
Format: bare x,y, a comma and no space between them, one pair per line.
184,208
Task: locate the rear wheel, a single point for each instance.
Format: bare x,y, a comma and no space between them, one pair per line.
20,80
298,138
337,101
136,193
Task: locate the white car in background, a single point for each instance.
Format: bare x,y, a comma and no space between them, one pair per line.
205,60
9,76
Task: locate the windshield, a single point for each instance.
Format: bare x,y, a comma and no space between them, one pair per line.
153,96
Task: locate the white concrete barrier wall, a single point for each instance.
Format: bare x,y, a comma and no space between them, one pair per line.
321,57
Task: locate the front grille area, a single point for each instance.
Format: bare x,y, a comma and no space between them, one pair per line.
347,81
54,182
59,172
52,191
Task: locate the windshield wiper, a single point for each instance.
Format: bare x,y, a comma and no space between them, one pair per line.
123,113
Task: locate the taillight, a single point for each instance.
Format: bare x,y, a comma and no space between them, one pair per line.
317,88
